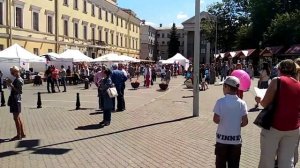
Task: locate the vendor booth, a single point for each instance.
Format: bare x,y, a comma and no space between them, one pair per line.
18,56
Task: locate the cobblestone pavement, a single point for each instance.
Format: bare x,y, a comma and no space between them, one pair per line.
156,130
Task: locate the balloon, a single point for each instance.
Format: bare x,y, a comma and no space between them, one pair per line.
245,81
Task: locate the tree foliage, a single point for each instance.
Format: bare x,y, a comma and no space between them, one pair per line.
284,29
174,43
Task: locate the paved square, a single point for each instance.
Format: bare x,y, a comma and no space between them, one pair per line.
156,130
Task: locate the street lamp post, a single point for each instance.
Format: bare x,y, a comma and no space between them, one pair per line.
196,60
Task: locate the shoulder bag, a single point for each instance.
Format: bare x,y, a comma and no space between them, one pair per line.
112,92
265,118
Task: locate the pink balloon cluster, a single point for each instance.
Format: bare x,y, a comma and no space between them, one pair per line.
245,81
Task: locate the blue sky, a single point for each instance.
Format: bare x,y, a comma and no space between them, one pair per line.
164,11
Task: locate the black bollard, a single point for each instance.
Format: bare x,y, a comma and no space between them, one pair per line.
86,83
77,102
39,101
2,99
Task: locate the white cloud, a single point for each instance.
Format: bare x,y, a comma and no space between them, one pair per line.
182,16
151,24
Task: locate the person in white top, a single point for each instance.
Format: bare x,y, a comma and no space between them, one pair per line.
230,113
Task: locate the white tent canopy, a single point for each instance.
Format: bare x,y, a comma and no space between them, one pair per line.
166,61
76,55
15,55
129,59
111,57
178,58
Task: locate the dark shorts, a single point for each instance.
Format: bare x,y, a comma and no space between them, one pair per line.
264,85
15,107
227,154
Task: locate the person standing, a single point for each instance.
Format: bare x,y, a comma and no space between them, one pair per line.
224,71
148,76
14,101
153,74
1,75
119,78
55,77
230,113
283,137
264,78
63,76
48,76
97,80
105,84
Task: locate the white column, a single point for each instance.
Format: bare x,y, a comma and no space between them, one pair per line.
185,43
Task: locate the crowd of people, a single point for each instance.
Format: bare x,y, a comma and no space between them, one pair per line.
279,143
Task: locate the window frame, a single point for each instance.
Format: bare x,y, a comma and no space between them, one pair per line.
35,26
75,4
1,13
66,27
85,30
51,26
21,18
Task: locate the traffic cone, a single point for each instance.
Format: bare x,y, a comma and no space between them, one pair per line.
2,99
39,101
77,102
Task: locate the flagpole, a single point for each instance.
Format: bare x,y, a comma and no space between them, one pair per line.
196,60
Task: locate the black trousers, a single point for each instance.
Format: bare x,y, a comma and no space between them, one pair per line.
227,155
120,98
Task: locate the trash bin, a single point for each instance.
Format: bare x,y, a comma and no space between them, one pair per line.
86,83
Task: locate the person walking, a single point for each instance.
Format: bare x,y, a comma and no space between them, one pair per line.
119,78
283,137
230,113
224,71
63,76
147,76
97,80
105,84
1,75
14,101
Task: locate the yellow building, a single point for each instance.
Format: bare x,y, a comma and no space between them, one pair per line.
95,27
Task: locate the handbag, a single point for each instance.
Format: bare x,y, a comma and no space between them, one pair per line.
265,118
10,100
112,92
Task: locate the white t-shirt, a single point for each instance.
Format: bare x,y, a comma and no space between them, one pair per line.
231,109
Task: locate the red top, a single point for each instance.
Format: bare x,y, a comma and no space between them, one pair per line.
287,116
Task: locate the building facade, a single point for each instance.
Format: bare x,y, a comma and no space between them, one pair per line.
163,38
95,27
148,43
206,48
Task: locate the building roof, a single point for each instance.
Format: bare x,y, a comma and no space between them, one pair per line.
270,51
203,15
293,50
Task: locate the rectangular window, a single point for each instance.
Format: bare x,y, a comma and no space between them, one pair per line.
112,38
133,43
66,28
50,50
129,46
126,42
100,35
93,10
85,32
106,16
117,20
1,13
36,51
133,27
162,35
202,51
121,22
76,30
50,24
1,47
136,44
84,6
106,37
66,2
126,25
76,4
19,17
100,14
93,33
112,18
35,21
117,40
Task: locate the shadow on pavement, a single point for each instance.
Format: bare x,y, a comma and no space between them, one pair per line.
32,145
59,151
254,109
88,127
83,109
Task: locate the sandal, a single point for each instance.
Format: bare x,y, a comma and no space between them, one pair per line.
15,138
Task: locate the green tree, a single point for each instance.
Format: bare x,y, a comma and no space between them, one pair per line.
244,38
174,42
284,30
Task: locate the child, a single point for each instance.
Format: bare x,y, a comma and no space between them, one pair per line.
230,115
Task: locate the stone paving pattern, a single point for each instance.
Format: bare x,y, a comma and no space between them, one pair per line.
156,130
